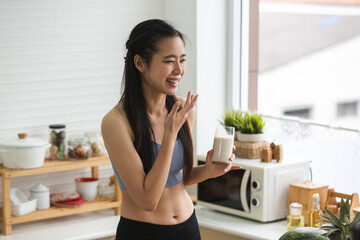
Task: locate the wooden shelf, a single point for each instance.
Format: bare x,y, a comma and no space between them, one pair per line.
51,166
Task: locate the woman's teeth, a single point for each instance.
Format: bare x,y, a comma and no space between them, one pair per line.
174,79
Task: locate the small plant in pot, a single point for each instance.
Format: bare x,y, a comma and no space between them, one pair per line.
251,127
340,227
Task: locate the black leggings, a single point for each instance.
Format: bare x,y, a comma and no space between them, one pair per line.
135,230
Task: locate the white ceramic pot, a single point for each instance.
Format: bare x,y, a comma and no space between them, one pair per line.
23,153
243,137
42,194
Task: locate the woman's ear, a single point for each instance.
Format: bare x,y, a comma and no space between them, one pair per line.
139,63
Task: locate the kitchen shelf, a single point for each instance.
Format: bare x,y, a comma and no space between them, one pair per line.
51,166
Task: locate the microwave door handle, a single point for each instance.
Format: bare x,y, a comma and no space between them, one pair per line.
243,189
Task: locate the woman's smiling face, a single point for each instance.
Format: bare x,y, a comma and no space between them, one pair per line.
166,67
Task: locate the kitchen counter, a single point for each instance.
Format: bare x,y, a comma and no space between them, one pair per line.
101,224
239,227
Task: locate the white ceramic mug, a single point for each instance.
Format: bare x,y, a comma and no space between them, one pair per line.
87,187
223,144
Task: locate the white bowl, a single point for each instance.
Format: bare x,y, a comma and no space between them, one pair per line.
20,204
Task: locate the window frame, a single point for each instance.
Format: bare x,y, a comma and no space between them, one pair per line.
243,48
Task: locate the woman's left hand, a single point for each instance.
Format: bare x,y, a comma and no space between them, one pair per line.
218,170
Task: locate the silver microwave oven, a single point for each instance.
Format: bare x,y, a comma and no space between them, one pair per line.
258,191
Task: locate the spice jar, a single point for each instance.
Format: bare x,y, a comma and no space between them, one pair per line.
97,143
58,143
78,148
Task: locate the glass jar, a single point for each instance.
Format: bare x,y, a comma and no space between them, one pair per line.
78,148
58,142
97,143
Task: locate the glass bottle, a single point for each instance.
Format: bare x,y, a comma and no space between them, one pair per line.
315,212
57,141
295,219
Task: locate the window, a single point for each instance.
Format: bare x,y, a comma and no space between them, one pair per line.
302,113
308,57
347,109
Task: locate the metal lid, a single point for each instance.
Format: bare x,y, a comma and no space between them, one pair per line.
39,188
23,143
56,126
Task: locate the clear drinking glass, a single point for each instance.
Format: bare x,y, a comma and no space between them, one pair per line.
223,144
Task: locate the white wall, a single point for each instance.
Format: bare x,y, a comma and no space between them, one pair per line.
174,13
211,69
205,25
61,61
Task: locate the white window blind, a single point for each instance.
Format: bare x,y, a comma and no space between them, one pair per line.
61,61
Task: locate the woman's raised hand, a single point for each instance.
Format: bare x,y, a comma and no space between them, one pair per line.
175,118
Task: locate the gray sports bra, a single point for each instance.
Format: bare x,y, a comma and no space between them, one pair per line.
176,167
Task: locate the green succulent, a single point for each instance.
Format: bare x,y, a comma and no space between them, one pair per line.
231,118
339,227
251,123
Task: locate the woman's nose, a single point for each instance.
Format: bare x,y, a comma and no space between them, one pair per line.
178,68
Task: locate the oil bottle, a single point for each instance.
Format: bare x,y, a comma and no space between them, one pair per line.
295,219
315,212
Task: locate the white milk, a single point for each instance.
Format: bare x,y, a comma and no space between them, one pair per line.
223,147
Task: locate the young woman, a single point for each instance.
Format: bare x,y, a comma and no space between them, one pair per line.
148,137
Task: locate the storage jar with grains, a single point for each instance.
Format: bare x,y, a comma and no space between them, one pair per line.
78,148
97,143
58,142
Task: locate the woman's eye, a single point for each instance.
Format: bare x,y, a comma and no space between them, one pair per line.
169,61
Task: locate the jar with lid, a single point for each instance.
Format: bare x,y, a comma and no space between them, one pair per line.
97,143
78,148
42,194
295,219
58,142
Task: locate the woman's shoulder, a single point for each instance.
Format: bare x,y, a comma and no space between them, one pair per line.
116,117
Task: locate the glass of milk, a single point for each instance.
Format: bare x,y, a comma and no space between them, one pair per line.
223,144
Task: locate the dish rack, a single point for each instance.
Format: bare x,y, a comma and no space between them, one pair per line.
52,166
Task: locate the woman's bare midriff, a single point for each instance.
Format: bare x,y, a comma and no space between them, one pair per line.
175,206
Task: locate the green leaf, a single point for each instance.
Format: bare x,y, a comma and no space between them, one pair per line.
344,209
355,220
333,219
330,231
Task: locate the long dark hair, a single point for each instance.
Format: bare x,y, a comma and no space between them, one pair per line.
143,41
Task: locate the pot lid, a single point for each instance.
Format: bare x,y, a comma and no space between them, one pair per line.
39,188
25,142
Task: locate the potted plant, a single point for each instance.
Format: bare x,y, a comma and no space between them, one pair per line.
340,227
231,119
251,127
